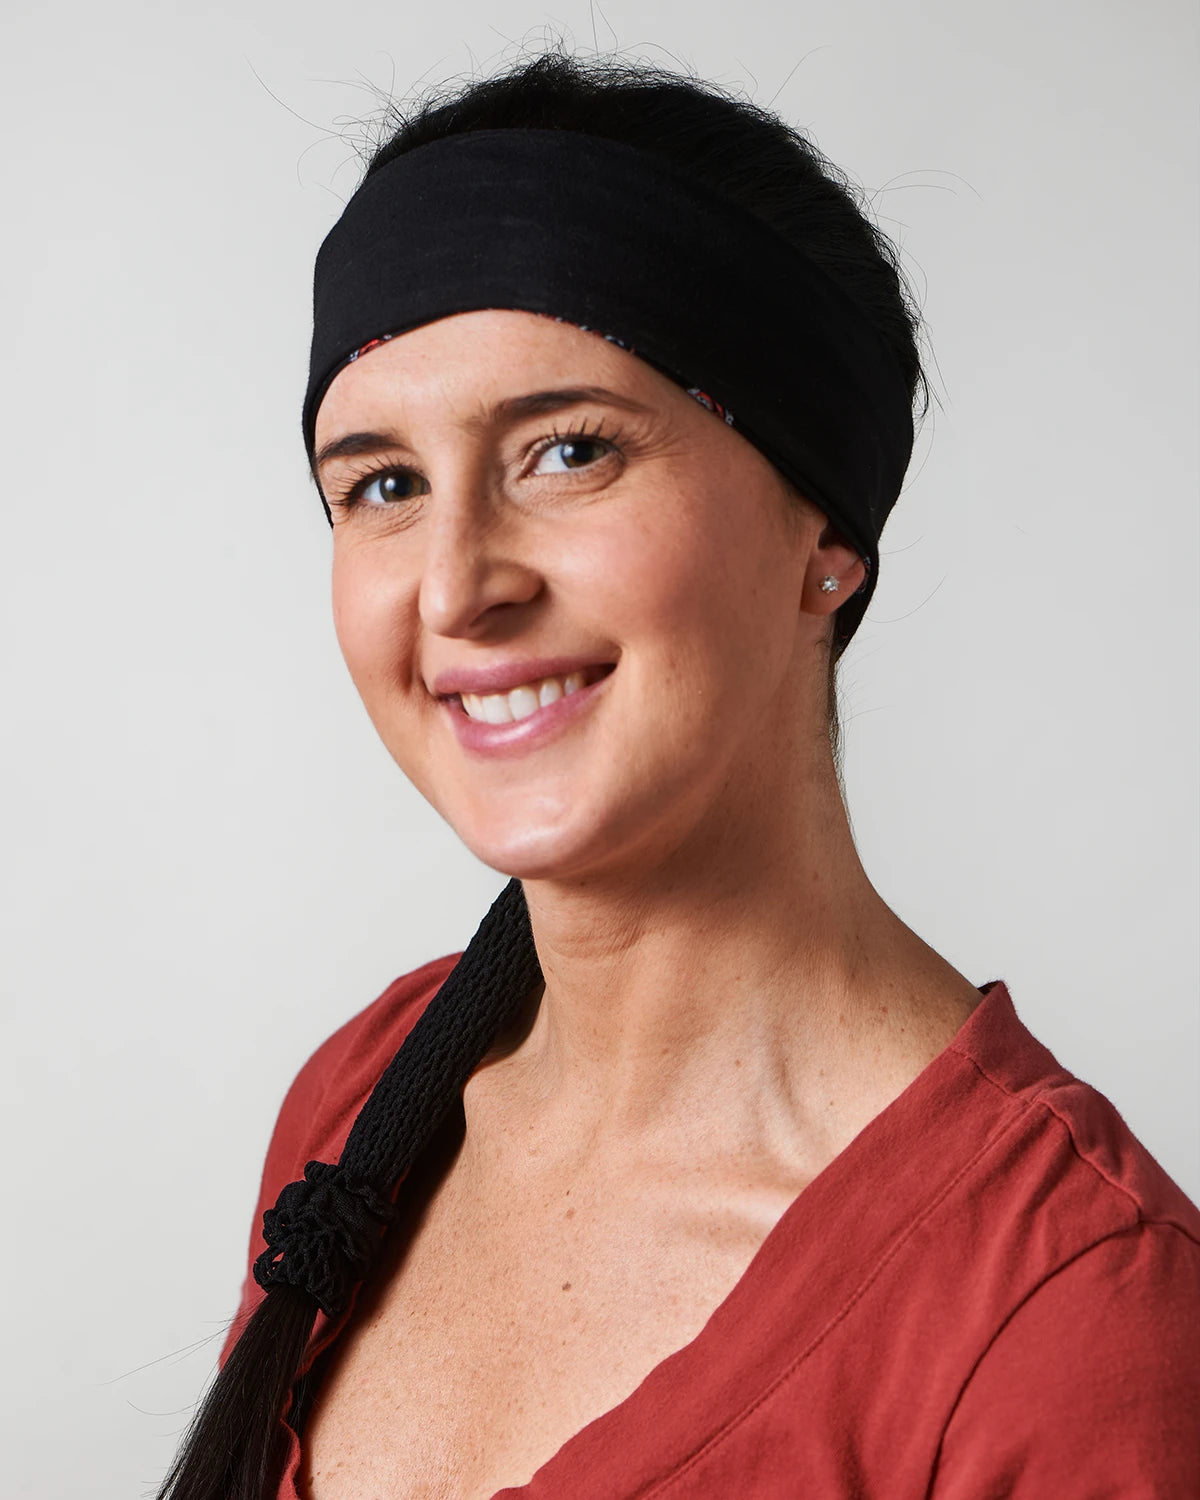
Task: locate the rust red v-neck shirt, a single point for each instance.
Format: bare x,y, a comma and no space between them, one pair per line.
993,1293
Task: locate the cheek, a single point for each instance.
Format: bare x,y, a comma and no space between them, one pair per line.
692,580
368,619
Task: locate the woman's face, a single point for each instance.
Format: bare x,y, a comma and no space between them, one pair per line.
634,530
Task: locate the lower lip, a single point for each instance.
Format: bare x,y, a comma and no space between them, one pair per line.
526,734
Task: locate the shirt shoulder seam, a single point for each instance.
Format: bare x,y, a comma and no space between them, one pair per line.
1038,1099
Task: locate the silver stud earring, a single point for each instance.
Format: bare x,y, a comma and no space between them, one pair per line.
829,584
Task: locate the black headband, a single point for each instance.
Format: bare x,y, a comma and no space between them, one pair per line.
606,235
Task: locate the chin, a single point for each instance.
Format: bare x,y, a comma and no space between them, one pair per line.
531,854
533,842
575,822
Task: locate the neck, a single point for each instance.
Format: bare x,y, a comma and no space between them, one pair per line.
764,987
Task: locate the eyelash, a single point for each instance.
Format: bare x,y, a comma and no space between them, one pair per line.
369,473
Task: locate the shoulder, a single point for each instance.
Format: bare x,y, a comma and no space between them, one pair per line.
1086,1381
1062,1148
326,1095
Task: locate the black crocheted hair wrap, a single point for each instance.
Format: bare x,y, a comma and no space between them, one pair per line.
322,1234
325,1231
607,235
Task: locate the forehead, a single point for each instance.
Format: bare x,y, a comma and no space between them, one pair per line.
460,365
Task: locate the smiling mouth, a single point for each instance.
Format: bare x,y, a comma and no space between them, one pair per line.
524,701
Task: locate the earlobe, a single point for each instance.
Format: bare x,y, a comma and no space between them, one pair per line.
841,576
840,562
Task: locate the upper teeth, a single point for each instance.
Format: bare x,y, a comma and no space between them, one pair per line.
507,708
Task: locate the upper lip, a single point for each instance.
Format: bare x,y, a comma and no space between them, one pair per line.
503,676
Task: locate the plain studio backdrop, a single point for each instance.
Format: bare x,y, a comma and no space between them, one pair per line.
211,862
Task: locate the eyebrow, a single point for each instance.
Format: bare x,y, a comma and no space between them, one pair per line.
535,404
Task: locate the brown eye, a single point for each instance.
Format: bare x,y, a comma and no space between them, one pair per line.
388,488
577,452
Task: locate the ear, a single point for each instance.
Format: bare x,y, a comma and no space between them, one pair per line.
832,557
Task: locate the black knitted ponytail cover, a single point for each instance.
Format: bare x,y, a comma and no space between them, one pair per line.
325,1230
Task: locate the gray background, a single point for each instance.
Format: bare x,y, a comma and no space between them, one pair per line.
210,862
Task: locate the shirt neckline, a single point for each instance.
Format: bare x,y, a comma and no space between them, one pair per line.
818,1259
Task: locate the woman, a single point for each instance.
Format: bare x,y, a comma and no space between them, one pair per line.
699,1173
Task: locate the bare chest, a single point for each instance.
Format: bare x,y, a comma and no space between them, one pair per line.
503,1323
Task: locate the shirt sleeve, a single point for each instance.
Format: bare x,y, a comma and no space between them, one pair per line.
1091,1389
283,1164
313,1121
324,1099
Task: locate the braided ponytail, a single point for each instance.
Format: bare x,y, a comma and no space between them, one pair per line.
325,1231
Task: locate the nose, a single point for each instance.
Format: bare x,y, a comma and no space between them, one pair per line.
473,563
